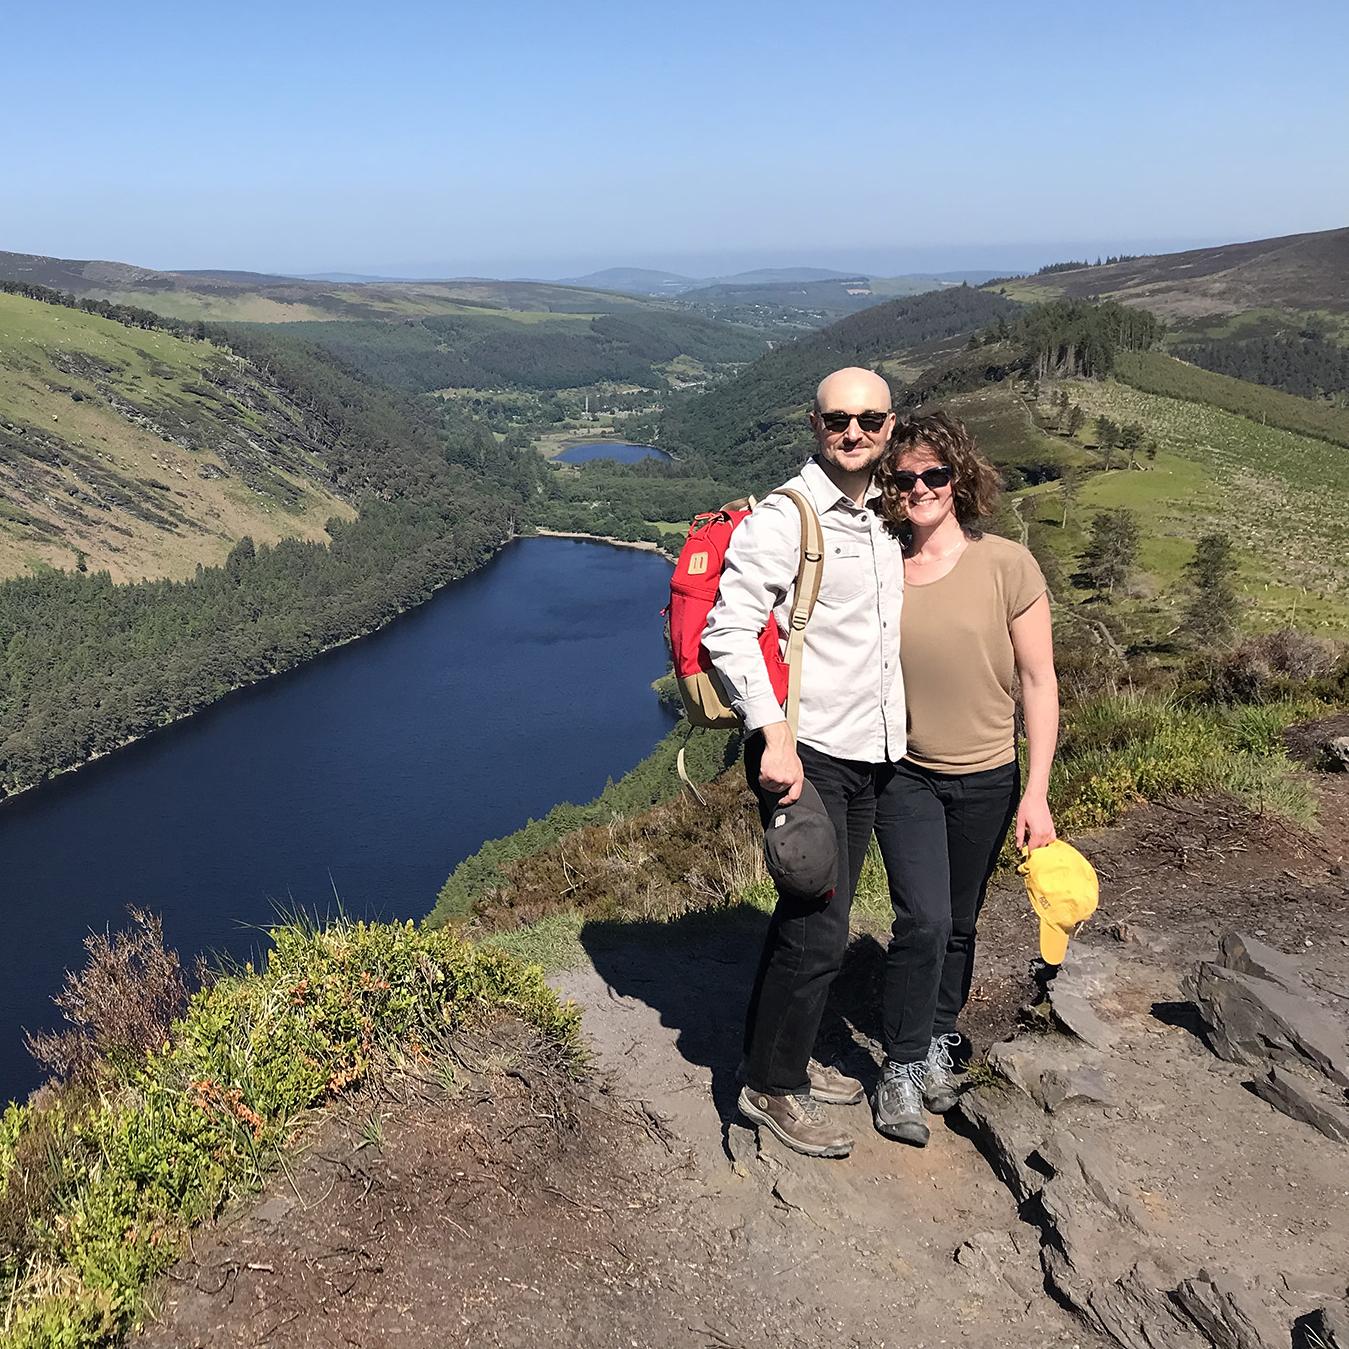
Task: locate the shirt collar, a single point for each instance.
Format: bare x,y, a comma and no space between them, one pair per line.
825,495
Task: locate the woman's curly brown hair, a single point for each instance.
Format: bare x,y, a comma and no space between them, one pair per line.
975,483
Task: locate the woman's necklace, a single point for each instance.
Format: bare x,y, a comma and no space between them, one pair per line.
932,560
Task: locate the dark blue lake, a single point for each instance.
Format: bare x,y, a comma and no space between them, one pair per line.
618,450
368,773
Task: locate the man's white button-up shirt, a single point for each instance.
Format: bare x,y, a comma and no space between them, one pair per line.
852,694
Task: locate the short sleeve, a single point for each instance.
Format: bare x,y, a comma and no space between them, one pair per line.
1025,582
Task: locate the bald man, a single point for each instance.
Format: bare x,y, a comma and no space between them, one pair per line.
851,731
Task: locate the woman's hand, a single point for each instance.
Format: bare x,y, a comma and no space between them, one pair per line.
1034,823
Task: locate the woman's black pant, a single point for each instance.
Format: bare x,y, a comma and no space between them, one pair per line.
940,835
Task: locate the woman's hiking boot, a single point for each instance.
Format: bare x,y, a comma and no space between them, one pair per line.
898,1107
940,1089
796,1121
831,1086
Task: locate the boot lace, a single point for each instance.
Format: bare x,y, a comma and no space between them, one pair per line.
902,1083
809,1107
939,1060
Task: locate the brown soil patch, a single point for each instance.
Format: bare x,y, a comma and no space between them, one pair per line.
1306,740
516,1207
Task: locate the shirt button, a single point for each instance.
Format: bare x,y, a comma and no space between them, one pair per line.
863,518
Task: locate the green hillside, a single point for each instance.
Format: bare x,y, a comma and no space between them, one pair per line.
1278,495
489,350
143,454
90,664
754,429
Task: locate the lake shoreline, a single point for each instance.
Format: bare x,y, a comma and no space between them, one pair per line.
28,791
641,544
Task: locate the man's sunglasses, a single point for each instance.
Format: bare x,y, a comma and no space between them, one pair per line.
932,477
840,421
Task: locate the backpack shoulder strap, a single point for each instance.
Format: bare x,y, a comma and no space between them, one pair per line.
809,574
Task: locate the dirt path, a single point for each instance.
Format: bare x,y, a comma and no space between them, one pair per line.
892,1246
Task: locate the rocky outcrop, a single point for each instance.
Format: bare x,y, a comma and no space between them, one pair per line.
1255,1021
1301,1100
1259,1011
1149,1167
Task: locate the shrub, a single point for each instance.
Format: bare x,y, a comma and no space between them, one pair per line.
120,1005
1271,666
1116,752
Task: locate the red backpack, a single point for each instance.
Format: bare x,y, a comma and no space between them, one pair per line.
693,591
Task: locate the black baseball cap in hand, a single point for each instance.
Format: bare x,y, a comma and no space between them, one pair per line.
801,848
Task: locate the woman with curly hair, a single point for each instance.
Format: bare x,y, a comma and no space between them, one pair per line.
975,617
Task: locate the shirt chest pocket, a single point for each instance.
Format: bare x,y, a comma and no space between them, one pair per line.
846,570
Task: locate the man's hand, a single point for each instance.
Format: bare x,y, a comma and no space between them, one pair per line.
780,769
1034,823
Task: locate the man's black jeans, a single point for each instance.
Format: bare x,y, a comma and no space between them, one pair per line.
806,939
940,835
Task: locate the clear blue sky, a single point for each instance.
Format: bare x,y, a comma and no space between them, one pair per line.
548,138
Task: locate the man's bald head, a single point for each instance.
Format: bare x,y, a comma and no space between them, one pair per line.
852,389
852,422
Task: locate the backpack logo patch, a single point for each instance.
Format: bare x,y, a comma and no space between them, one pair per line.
698,564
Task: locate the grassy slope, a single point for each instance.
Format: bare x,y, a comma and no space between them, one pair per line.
1154,372
1279,495
96,475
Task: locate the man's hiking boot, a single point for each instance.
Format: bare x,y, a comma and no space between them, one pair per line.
796,1121
832,1087
898,1107
827,1084
940,1089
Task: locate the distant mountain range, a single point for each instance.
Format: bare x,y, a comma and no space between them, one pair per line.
1295,272
262,297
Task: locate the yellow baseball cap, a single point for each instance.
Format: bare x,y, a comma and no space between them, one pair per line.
1062,888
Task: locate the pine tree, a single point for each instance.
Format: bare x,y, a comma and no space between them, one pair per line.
1107,437
1112,549
1068,490
1130,438
1211,573
1075,419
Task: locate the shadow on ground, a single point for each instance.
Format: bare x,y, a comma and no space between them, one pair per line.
696,973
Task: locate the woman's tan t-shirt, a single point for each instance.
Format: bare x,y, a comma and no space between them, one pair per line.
955,648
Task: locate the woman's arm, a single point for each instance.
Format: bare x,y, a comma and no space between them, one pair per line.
1033,647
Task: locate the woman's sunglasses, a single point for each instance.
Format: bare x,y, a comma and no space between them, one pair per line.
934,478
840,421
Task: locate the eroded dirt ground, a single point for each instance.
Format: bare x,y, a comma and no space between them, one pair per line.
512,1207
